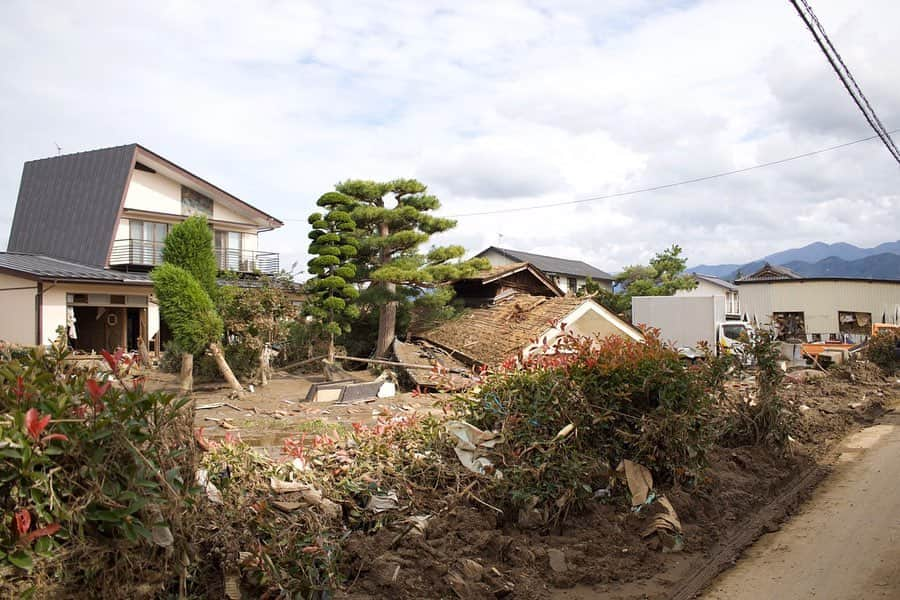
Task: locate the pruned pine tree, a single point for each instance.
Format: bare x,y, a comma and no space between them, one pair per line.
333,246
393,219
189,247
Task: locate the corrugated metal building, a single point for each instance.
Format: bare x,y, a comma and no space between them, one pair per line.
820,308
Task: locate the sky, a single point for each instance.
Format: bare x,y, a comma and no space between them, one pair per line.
493,105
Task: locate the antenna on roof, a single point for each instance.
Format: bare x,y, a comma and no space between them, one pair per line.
58,148
499,238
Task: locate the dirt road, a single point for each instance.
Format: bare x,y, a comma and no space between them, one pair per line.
844,544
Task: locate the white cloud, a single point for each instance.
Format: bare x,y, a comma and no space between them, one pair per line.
493,105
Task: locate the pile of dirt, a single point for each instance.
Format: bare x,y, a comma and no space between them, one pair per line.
469,553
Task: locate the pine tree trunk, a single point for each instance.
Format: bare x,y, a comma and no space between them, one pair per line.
387,324
225,369
187,372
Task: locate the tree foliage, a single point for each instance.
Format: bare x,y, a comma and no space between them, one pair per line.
390,236
189,245
662,277
333,246
186,308
393,219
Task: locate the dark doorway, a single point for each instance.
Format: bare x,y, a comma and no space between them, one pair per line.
134,329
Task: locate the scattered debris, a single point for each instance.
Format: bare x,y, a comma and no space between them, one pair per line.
212,492
471,446
639,480
383,502
667,527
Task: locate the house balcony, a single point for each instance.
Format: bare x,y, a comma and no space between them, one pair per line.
142,255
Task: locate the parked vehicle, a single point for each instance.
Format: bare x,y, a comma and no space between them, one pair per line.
685,321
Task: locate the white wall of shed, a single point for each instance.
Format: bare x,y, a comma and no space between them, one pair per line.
17,319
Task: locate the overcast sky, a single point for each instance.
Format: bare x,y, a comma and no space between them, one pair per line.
493,105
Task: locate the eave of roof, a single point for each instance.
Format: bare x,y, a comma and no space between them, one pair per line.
190,175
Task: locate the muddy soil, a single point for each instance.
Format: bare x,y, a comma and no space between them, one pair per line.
469,551
268,415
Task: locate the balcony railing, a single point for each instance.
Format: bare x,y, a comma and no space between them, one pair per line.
143,254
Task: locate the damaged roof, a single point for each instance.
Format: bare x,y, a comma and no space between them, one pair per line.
552,264
490,335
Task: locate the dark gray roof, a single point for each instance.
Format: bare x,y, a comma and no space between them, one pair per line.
68,205
716,281
551,264
46,268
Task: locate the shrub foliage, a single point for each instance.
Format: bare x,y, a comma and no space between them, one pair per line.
95,479
567,418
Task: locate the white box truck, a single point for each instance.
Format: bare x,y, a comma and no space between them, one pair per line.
683,321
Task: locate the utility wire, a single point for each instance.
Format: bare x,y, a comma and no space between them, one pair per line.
659,187
843,72
667,185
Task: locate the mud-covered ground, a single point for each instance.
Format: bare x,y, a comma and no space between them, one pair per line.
468,550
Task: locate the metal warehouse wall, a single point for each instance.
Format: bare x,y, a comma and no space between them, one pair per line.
820,301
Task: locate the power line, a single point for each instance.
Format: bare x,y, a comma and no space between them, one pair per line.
843,72
658,187
667,185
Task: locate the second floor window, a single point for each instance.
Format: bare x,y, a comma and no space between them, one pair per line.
147,241
228,250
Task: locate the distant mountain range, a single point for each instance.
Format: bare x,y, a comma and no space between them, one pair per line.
821,260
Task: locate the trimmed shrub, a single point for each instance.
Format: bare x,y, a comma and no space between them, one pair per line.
189,245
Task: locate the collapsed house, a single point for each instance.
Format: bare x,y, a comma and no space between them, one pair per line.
512,311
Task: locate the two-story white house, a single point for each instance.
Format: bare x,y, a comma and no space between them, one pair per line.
570,275
87,229
708,285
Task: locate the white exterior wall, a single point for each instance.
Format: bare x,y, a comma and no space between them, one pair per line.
681,321
17,323
124,231
820,301
497,259
221,213
705,288
154,192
